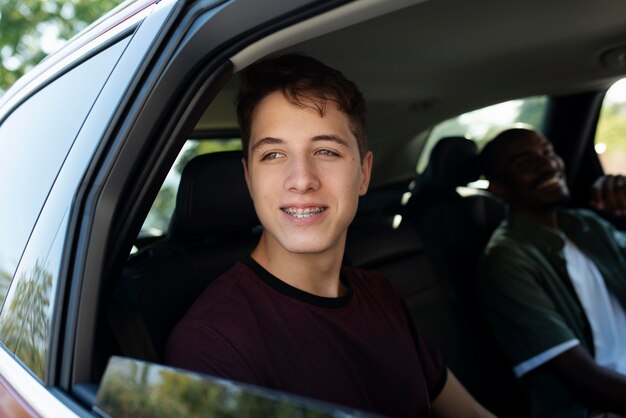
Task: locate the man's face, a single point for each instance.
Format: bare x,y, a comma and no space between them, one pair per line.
533,175
305,175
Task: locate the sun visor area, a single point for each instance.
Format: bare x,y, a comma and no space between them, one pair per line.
341,17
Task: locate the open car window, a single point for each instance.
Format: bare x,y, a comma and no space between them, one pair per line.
132,388
158,219
610,141
482,125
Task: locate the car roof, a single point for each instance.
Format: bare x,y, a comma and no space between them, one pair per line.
436,59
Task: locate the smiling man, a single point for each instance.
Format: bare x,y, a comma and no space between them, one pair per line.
552,282
291,317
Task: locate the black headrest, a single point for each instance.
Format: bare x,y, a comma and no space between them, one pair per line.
212,198
453,162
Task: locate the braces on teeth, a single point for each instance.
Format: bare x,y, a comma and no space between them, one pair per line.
303,213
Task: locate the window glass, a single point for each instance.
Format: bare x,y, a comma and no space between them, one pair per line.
481,125
25,322
135,388
158,219
610,143
34,141
28,303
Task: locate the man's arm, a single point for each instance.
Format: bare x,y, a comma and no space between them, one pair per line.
594,385
456,402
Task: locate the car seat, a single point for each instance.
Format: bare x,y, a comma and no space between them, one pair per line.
214,225
455,222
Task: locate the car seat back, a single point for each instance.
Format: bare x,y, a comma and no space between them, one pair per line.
214,225
455,228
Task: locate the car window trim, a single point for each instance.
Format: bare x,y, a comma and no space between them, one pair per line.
30,389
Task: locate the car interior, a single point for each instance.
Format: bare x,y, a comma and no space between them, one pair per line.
424,230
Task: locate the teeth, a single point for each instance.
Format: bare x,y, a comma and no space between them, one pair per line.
303,213
549,182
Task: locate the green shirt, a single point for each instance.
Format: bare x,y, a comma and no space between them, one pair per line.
525,291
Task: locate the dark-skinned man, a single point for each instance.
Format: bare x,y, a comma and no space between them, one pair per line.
552,281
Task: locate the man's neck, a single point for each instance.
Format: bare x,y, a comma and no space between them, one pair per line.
317,274
547,217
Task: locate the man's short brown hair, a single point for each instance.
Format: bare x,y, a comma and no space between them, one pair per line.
304,82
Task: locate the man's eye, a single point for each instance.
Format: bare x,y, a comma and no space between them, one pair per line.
271,156
326,152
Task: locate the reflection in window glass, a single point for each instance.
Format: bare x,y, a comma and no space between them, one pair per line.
610,141
132,388
34,141
158,219
483,124
26,317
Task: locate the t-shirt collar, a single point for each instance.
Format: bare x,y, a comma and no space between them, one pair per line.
295,293
544,237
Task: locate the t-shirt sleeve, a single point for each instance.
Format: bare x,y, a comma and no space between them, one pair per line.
524,318
197,348
435,371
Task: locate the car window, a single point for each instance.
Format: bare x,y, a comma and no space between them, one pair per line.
134,388
610,141
48,178
34,141
158,218
482,124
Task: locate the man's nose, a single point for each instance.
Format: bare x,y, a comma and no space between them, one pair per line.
546,162
302,175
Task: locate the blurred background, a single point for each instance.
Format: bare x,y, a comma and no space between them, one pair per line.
32,29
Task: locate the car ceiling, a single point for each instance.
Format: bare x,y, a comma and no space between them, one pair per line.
439,58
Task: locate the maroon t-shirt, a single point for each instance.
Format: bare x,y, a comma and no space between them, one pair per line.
357,350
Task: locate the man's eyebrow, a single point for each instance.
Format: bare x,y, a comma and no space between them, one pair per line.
268,140
332,138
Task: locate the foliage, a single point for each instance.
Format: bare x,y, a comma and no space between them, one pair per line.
31,29
611,132
482,125
138,390
25,321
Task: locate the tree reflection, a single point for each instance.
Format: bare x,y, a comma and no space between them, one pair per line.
24,324
135,389
5,282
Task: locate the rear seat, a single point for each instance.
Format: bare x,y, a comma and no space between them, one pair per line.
455,228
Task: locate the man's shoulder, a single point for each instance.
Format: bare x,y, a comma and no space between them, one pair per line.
372,286
505,252
219,310
586,217
221,292
360,278
503,240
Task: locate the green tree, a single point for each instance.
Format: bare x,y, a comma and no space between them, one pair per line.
25,321
31,29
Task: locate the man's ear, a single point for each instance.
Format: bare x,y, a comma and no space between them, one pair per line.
498,188
366,172
247,176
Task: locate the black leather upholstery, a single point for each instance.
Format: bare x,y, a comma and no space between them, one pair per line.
453,162
214,225
212,198
455,228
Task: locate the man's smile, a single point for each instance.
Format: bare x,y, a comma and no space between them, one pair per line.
303,212
549,180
